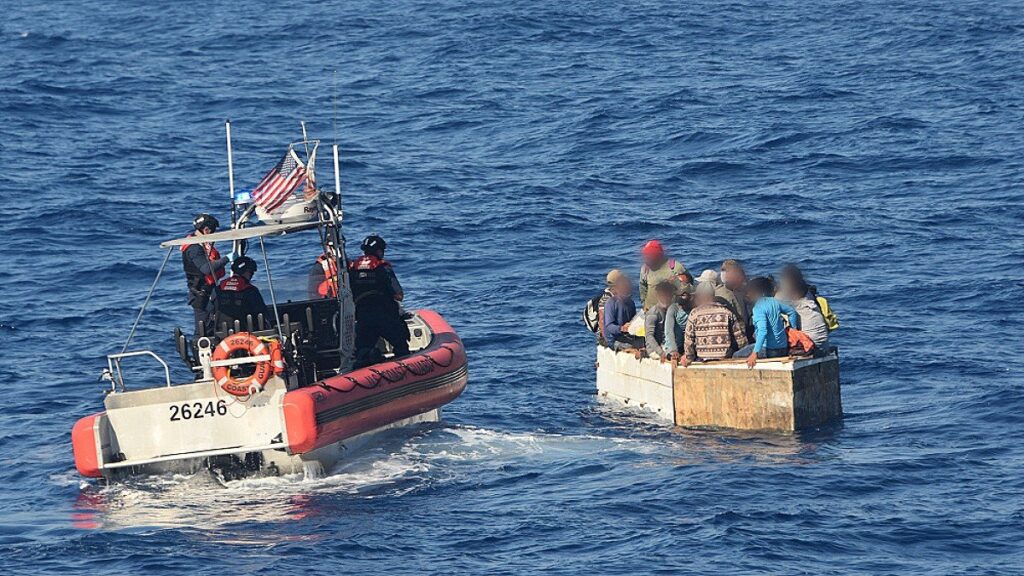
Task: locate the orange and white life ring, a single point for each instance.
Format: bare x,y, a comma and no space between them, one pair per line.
271,363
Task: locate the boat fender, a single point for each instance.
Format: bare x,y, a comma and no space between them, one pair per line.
245,385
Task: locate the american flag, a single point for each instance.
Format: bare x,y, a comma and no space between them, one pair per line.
275,187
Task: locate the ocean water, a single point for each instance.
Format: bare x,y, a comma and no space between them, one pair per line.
511,152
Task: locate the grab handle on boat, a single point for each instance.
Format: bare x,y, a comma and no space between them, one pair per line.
114,366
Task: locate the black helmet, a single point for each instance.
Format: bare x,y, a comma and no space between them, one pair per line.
242,265
372,243
205,220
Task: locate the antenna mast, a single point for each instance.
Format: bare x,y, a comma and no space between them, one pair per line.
231,173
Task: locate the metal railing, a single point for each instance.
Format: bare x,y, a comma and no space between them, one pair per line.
117,376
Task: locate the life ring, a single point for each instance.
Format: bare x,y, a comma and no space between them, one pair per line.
253,346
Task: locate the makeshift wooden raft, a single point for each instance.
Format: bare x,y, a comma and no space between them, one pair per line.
778,394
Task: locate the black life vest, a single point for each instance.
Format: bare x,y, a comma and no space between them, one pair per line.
236,299
371,280
195,277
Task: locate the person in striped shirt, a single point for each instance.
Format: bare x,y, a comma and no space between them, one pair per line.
713,331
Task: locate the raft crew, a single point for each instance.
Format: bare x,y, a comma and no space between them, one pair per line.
239,300
794,290
725,296
593,312
713,331
377,293
619,311
656,321
657,267
770,339
725,316
734,279
676,318
204,267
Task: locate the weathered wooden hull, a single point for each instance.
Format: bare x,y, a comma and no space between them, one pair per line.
785,395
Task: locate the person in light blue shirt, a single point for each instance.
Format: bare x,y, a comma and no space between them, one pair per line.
770,339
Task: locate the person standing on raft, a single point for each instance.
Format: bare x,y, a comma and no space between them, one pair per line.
376,292
204,267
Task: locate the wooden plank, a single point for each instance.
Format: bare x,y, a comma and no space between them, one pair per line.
816,394
803,394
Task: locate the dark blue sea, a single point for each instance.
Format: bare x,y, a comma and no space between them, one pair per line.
511,152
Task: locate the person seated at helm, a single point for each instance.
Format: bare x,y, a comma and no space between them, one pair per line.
238,299
323,276
376,293
657,267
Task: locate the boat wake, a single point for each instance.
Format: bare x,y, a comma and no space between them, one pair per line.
433,457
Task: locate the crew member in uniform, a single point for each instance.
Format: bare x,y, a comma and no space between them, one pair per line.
376,292
323,276
204,266
237,298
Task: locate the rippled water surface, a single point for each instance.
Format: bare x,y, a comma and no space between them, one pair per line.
511,152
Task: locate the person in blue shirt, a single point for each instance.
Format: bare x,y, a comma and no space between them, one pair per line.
619,310
770,339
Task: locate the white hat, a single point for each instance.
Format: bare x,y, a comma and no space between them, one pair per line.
708,276
705,289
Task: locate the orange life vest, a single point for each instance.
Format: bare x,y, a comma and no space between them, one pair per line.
329,287
213,255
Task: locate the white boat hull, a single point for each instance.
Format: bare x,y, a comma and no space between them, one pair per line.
276,462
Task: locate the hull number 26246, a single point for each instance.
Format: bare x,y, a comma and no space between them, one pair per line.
197,410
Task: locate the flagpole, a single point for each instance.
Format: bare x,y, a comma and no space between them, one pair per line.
305,139
231,173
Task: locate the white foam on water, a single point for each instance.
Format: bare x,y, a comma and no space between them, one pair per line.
397,465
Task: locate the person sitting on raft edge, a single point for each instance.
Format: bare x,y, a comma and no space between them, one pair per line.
657,267
619,310
770,340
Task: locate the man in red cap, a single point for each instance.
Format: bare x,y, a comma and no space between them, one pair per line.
657,267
